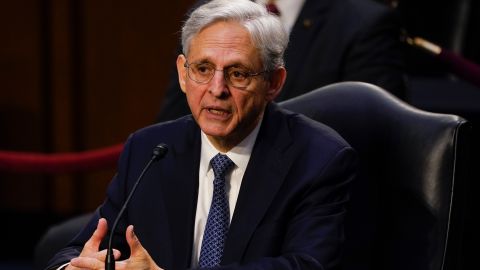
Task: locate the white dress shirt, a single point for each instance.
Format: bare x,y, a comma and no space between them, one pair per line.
240,155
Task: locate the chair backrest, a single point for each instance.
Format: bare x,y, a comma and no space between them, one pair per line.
406,205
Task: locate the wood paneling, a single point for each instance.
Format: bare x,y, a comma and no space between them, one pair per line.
21,99
78,75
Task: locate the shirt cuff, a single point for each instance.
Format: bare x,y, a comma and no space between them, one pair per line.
63,266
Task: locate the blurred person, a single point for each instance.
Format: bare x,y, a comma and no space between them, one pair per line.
245,184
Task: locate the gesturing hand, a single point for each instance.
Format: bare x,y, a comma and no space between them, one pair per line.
139,257
91,257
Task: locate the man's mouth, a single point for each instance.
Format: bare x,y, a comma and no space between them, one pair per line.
217,111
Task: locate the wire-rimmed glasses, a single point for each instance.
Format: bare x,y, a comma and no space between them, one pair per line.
235,76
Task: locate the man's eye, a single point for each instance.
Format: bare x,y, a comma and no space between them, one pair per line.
203,69
238,74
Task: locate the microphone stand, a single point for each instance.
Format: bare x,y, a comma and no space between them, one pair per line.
158,152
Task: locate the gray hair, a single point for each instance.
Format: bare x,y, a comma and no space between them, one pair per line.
266,31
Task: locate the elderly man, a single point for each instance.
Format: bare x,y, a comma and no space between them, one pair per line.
245,185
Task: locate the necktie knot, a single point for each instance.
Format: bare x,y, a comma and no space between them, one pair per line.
220,165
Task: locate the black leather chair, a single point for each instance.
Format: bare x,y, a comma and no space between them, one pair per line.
407,204
56,237
406,207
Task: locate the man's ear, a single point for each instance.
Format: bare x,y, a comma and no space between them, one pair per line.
277,80
182,71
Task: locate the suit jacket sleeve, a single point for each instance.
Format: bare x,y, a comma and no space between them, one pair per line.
108,210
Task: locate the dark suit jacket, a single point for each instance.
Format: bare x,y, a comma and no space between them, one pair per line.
331,41
290,209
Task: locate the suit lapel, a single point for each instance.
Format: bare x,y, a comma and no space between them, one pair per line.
309,22
180,193
267,168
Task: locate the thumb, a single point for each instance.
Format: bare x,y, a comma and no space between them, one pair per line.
139,257
133,241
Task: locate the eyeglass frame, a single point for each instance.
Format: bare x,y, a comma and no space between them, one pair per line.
249,75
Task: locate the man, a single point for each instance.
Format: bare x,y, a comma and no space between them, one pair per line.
330,41
279,203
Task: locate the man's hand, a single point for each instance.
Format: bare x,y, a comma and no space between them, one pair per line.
91,257
139,257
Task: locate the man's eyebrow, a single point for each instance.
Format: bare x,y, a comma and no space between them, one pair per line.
239,65
202,61
232,65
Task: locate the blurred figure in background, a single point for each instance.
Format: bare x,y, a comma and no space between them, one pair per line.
330,41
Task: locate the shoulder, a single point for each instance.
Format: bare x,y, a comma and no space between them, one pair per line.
314,149
167,129
311,134
178,134
305,133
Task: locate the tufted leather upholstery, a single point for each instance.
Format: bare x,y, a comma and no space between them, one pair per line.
406,207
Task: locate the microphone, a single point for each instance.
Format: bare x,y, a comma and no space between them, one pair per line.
158,153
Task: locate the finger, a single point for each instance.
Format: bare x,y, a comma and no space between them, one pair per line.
117,254
87,263
71,267
132,240
102,255
127,265
93,243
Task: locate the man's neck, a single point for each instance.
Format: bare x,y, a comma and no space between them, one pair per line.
224,145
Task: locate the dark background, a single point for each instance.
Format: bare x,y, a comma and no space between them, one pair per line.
74,75
82,74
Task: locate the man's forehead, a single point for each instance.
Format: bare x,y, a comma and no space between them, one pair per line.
226,42
223,35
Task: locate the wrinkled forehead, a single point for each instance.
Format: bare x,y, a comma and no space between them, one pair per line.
228,24
224,41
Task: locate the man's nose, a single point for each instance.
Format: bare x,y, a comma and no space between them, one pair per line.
218,86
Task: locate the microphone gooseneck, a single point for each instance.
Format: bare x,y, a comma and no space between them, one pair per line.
158,153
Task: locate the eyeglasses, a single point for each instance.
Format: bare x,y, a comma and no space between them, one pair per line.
235,76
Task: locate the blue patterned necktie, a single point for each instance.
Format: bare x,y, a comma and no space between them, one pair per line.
218,216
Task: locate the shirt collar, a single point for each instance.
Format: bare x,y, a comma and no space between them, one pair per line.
240,154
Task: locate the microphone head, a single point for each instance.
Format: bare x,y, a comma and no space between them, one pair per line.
160,151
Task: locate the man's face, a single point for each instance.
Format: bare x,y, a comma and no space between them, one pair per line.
225,113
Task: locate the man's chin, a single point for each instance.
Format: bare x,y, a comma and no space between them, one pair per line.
217,131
